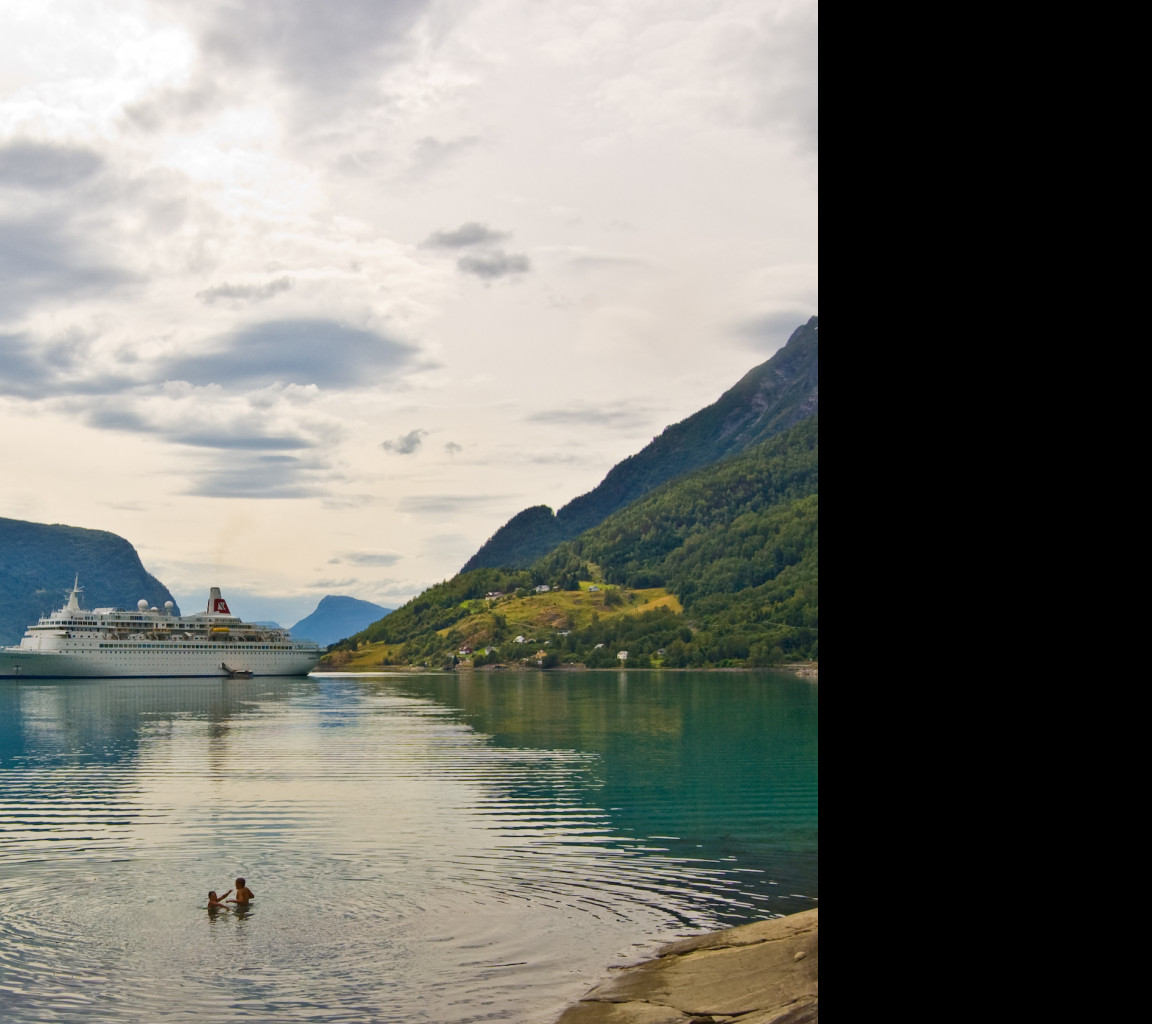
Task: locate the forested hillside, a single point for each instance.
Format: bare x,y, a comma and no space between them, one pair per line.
39,562
716,568
769,399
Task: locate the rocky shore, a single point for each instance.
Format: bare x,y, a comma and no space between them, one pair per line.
760,973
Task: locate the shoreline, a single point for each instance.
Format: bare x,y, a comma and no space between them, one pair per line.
803,669
766,972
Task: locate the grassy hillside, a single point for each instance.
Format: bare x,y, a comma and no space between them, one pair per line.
718,568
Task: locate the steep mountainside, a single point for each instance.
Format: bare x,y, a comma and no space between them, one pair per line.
719,567
338,617
38,564
770,399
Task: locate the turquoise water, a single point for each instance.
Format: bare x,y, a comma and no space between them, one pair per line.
423,848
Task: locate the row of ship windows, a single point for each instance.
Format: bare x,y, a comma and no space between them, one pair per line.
196,647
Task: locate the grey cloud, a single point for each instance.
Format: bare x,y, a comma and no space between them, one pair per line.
38,368
37,165
769,332
359,558
616,417
22,371
452,448
167,105
432,155
322,50
40,258
239,435
494,265
446,504
318,352
405,444
260,476
235,296
471,233
786,64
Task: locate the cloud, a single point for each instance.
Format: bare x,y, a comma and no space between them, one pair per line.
235,296
43,259
320,51
784,61
38,165
276,477
494,265
430,155
452,448
319,352
584,415
446,504
406,444
366,558
769,332
471,233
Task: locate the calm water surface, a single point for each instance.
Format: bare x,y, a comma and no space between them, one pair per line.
423,848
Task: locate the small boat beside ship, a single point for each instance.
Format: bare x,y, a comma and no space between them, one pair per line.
73,642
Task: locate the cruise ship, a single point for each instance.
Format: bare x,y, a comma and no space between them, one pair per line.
110,642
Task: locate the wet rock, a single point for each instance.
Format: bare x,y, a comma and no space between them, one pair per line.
760,973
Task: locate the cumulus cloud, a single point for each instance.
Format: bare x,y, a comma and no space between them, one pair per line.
472,233
493,265
235,296
294,351
452,448
406,444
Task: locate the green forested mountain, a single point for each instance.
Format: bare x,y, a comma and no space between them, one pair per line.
769,399
719,567
38,564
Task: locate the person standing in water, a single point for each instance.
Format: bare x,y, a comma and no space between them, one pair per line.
215,902
244,895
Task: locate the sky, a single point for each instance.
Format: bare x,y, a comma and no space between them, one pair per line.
307,298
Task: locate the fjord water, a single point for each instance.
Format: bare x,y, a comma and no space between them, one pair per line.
423,848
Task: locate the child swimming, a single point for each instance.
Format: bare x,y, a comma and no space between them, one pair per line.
215,902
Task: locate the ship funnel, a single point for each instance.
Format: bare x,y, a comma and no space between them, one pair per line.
216,604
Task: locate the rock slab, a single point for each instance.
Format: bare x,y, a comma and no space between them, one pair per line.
760,973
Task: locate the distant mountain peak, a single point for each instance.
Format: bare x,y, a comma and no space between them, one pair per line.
337,617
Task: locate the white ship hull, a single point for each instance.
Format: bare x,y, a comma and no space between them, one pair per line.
18,664
115,643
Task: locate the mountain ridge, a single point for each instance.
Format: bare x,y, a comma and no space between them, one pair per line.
766,401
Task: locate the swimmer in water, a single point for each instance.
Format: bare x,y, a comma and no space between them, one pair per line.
216,902
244,895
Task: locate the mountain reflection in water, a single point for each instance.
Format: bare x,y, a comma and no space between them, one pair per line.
441,848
